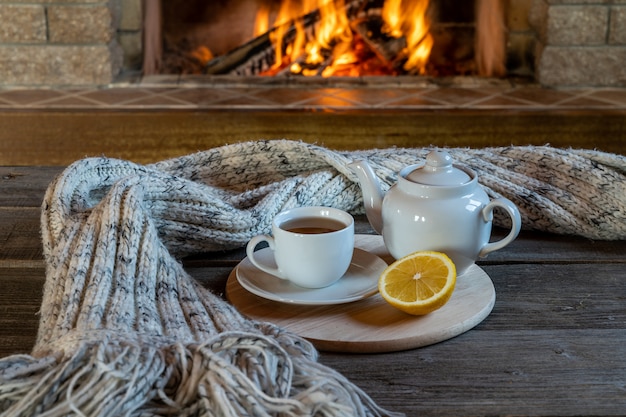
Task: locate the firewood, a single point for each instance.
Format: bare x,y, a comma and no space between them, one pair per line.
258,55
386,47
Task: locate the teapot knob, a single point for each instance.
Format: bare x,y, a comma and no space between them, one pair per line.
437,160
439,169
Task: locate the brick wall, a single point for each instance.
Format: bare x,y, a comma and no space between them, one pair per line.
67,42
580,42
520,45
88,42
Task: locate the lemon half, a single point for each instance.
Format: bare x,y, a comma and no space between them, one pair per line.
419,283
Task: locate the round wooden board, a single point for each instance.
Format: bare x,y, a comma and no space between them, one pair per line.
371,325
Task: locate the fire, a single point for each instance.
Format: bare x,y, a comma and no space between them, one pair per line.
339,45
410,22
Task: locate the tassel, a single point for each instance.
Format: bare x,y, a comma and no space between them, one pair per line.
232,374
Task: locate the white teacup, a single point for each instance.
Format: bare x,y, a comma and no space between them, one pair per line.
312,246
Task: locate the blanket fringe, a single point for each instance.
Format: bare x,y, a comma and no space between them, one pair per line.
233,374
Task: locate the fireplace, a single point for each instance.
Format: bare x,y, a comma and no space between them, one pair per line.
333,38
558,43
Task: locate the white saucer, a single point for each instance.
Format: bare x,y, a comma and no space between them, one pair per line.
360,281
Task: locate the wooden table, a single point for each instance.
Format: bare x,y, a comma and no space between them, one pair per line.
554,344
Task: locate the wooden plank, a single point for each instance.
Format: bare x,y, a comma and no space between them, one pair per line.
60,138
528,297
20,239
25,186
20,301
531,246
556,336
548,372
213,278
545,296
22,190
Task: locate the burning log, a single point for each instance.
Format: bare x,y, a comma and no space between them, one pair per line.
258,55
387,48
251,58
354,38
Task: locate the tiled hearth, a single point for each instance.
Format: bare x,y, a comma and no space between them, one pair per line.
188,93
157,118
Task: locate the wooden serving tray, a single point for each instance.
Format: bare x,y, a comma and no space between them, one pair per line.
372,325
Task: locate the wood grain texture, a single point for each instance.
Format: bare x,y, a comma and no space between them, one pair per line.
20,300
482,373
25,186
559,296
22,190
20,236
372,325
60,138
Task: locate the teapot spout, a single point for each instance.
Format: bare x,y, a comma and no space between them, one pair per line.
372,193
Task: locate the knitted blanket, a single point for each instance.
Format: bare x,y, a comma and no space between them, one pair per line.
125,330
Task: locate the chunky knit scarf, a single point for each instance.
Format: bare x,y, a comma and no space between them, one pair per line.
126,331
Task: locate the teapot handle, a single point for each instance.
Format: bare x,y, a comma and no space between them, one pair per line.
516,224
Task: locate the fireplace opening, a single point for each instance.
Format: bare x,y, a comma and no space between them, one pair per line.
331,38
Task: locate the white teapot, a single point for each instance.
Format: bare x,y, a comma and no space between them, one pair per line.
436,206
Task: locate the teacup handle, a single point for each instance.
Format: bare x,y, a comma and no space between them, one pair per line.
516,224
254,242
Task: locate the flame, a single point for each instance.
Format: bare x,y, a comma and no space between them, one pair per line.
392,16
202,54
409,20
418,39
331,49
262,20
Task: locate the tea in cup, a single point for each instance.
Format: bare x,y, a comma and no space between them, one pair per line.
312,246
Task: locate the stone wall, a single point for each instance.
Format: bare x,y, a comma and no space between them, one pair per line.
520,42
580,42
68,42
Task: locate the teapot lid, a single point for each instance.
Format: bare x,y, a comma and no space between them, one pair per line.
438,170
